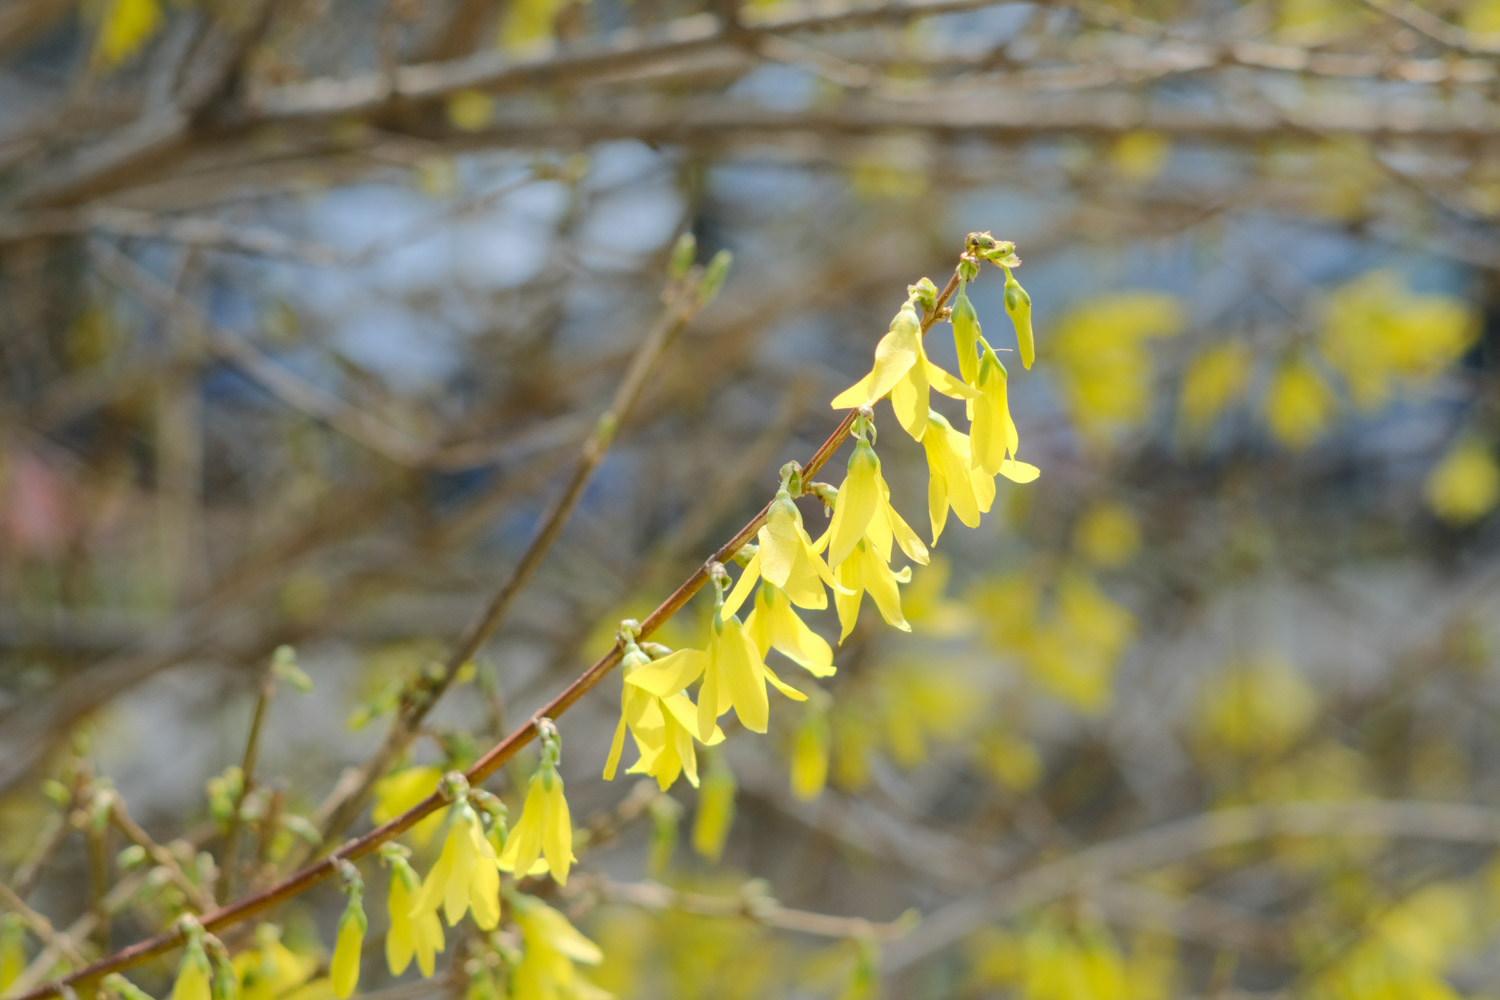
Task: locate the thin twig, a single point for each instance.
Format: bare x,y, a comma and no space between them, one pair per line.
228,860
758,909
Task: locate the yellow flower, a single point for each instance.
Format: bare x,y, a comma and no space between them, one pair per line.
953,482
545,829
639,712
464,875
1299,405
1465,485
994,439
863,509
903,371
663,728
399,791
787,558
734,676
193,975
676,754
417,934
866,570
549,948
343,970
772,624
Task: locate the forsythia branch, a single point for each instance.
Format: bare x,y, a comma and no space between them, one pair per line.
362,846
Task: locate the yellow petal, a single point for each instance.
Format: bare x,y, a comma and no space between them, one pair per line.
909,399
881,584
741,591
848,599
616,747
343,970
782,686
671,673
708,703
557,832
741,672
944,382
1019,472
524,845
857,394
856,503
682,709
791,637
400,943
989,440
905,537
780,543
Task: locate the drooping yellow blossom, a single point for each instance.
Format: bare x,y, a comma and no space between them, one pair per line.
412,933
1465,485
903,371
676,754
545,829
1212,381
550,947
343,970
786,557
866,570
715,809
193,974
639,712
464,876
662,727
810,756
1298,404
855,505
734,676
773,624
399,791
953,482
993,437
863,509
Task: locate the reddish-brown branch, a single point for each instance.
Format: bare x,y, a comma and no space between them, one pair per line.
352,850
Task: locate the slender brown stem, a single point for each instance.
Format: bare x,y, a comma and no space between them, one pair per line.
359,847
228,862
